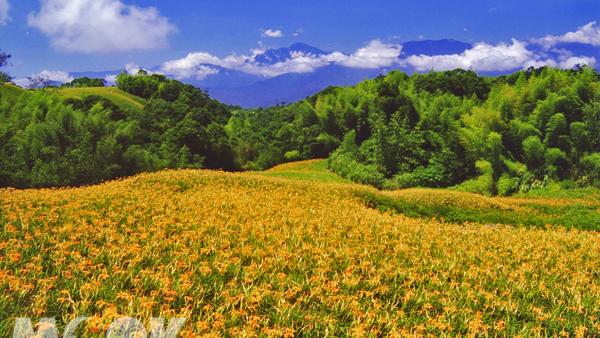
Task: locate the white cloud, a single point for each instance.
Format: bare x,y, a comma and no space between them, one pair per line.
482,57
55,75
272,33
564,59
4,9
374,55
21,82
192,66
485,57
132,68
93,26
587,34
111,80
573,61
46,75
540,63
298,32
198,65
201,64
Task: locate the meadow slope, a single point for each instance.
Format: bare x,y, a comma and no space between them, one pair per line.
275,254
113,94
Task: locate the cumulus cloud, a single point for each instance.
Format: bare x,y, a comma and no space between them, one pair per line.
567,60
485,57
587,34
482,57
201,64
573,61
4,9
374,55
100,26
132,68
55,75
190,65
272,33
111,80
21,82
46,76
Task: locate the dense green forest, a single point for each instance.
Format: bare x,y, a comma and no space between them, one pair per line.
486,135
47,140
489,135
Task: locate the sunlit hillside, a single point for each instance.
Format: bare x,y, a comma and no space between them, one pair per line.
10,91
113,94
291,251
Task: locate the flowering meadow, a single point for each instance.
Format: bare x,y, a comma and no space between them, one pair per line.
256,254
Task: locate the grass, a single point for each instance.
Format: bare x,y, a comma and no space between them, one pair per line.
576,208
110,93
311,170
554,191
458,207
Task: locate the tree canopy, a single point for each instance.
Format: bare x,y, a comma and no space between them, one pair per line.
484,134
4,57
490,135
86,82
46,140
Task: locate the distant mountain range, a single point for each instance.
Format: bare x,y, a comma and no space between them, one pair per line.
239,88
292,87
273,56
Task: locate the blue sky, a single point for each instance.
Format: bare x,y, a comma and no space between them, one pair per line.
42,37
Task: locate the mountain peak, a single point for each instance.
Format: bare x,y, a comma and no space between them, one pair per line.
303,47
435,47
272,56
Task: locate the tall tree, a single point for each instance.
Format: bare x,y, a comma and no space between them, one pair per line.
4,57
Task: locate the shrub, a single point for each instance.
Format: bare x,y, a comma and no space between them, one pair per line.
483,184
591,167
86,82
433,175
293,155
556,163
345,165
507,185
533,150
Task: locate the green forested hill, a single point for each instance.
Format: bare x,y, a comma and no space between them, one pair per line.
77,136
10,92
487,135
443,129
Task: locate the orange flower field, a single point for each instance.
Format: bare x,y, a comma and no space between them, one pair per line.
256,255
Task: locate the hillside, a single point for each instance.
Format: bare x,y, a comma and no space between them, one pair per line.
260,255
487,135
309,170
74,136
11,92
574,208
113,94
